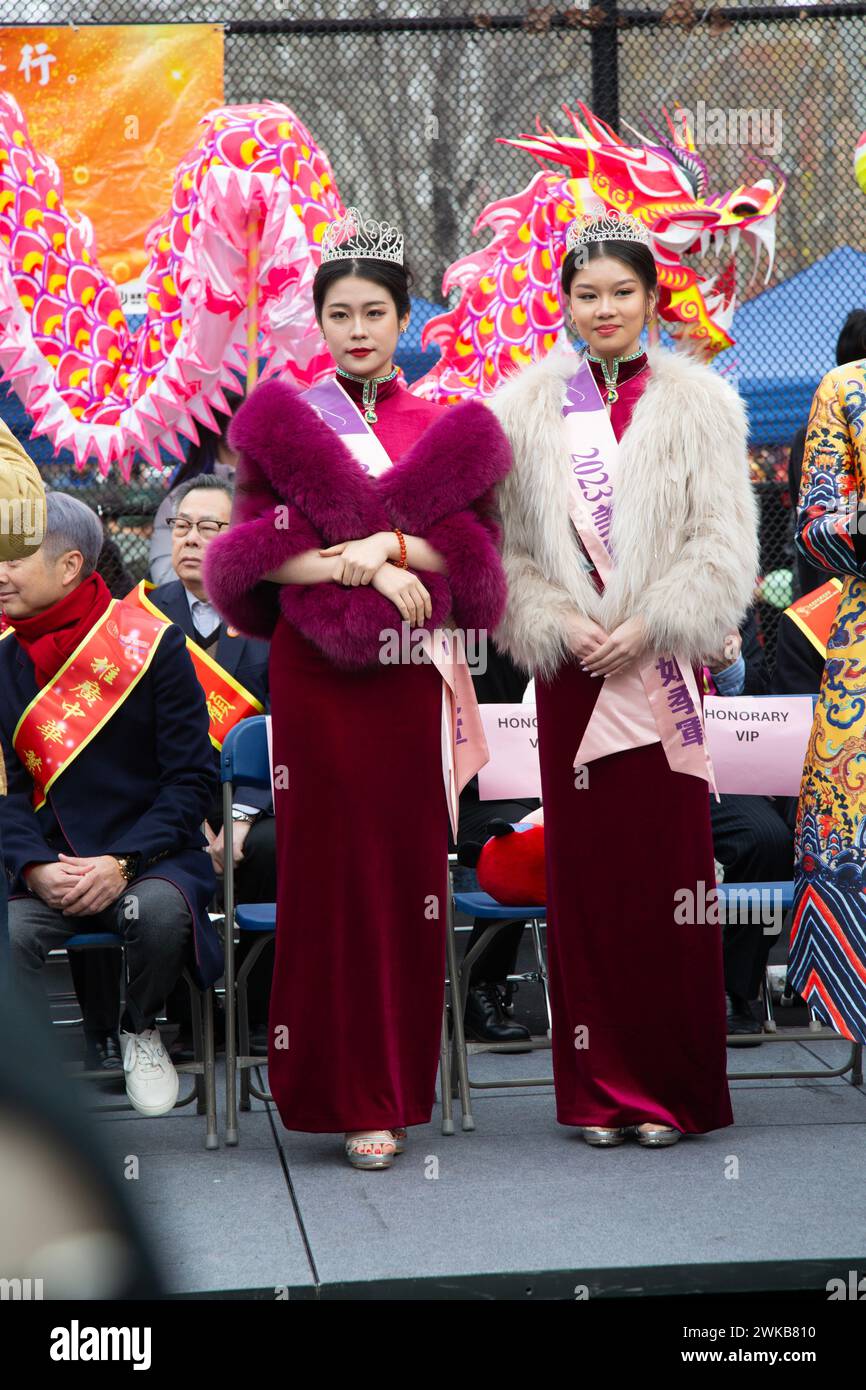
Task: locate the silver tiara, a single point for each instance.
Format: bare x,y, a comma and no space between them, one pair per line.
376,241
611,225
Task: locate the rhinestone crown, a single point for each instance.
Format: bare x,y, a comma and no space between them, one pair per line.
611,225
351,236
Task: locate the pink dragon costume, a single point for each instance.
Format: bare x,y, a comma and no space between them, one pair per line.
239,245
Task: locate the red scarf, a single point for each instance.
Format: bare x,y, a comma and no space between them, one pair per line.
49,638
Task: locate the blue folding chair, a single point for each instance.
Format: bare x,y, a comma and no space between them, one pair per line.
243,761
482,906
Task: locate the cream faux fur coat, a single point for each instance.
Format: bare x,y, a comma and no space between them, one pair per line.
684,535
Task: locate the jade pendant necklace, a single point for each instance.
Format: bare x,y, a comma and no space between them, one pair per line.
371,385
611,373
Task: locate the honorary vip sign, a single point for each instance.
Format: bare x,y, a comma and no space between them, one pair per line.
512,739
758,743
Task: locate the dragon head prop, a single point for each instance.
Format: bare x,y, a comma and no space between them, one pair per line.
510,309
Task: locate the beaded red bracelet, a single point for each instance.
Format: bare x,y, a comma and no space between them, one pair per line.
402,561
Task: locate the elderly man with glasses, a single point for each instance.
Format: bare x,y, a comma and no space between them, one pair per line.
233,672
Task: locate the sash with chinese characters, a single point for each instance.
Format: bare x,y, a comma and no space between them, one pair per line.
89,688
815,613
654,702
227,700
464,747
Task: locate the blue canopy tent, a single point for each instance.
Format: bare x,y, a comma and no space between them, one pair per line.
409,355
786,341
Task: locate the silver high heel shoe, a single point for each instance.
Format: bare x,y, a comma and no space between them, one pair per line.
602,1138
659,1139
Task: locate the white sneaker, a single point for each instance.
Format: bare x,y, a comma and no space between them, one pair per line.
151,1081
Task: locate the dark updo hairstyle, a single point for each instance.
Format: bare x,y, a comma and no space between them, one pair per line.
396,279
634,254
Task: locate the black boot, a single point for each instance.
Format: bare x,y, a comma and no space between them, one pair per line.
741,1022
484,1019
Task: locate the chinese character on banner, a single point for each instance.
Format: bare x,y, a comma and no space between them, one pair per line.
51,731
680,701
691,731
104,669
89,691
668,669
41,60
218,707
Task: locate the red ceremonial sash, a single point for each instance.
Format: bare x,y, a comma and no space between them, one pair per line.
815,613
89,688
228,702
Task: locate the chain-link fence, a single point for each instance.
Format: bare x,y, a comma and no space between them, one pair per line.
408,109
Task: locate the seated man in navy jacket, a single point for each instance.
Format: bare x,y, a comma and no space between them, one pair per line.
104,732
201,509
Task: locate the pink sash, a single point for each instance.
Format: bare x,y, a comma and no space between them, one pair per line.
650,703
464,747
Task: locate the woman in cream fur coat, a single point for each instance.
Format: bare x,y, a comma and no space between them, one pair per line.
630,551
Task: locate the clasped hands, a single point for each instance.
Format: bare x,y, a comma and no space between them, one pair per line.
78,886
606,654
367,562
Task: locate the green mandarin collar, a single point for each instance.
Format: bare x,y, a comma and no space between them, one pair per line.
621,370
366,392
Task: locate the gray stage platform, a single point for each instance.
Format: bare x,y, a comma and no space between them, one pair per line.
519,1208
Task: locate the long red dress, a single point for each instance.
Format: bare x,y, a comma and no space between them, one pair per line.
649,991
362,842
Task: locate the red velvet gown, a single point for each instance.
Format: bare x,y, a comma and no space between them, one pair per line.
362,844
649,991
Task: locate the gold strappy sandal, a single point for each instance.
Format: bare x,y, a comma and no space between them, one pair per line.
374,1148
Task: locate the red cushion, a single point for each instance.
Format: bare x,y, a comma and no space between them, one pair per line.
511,868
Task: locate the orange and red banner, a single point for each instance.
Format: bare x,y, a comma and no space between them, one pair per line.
815,613
117,108
228,702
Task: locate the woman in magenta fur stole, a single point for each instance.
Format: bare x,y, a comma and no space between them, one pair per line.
630,550
363,514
